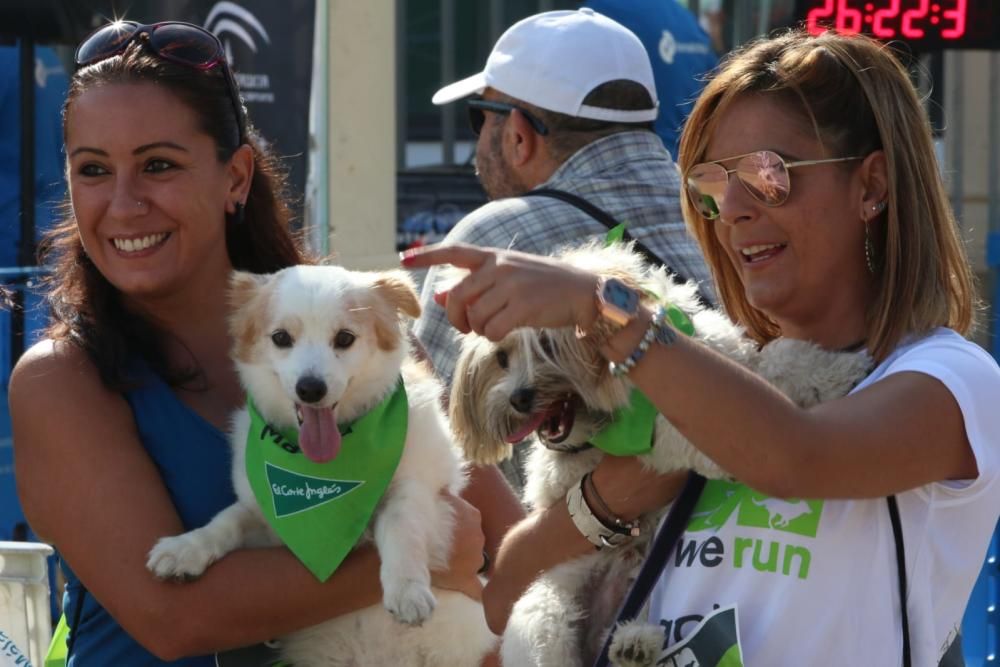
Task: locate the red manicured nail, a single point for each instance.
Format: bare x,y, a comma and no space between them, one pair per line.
441,298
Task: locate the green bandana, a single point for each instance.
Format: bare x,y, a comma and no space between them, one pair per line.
631,429
320,510
615,234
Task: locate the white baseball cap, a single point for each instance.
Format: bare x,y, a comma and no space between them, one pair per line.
555,59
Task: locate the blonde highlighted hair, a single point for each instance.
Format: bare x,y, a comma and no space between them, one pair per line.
858,98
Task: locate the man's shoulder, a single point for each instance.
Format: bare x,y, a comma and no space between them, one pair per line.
619,160
494,222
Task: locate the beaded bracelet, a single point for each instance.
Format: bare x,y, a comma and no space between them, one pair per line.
658,331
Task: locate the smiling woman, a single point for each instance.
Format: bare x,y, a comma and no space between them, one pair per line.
815,195
151,212
170,191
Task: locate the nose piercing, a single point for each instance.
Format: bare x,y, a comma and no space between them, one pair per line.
138,204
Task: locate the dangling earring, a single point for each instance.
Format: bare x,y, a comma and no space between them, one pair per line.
869,246
239,212
869,251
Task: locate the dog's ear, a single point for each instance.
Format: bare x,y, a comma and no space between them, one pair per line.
243,285
246,298
397,288
468,412
393,295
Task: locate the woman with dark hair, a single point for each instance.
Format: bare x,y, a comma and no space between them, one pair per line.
119,416
814,192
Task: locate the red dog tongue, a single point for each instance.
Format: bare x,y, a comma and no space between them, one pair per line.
528,428
319,437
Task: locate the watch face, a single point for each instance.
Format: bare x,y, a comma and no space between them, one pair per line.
621,296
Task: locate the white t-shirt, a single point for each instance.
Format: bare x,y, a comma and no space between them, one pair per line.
815,582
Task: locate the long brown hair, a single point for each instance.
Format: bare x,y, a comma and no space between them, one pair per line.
86,309
858,98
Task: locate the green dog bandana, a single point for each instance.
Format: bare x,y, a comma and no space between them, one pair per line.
630,431
320,510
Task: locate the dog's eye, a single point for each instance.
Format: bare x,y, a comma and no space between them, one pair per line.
282,338
503,359
344,339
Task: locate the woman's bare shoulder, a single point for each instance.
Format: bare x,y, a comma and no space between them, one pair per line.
49,355
59,372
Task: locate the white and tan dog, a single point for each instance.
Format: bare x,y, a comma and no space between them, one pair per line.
323,345
554,385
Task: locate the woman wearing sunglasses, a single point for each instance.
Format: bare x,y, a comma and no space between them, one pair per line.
119,417
816,197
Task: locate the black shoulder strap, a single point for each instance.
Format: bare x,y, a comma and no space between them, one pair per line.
897,534
74,626
659,552
672,529
610,222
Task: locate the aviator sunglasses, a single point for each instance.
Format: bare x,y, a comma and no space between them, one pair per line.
176,41
763,174
477,115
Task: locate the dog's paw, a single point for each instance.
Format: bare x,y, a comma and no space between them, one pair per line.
636,645
410,601
179,557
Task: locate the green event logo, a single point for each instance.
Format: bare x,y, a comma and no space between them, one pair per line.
720,500
293,492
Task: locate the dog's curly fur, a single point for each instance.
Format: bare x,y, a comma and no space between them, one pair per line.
557,385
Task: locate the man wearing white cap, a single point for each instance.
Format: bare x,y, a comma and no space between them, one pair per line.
566,102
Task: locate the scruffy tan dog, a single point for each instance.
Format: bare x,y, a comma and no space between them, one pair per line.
557,387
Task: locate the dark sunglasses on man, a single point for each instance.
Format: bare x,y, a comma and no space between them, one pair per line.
477,115
176,41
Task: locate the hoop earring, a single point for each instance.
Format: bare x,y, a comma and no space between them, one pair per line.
239,213
869,251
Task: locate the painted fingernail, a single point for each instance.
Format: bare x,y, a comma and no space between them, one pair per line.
441,298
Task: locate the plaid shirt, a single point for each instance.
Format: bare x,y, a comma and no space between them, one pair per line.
630,175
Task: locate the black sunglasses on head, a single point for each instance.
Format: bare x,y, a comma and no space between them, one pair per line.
477,117
176,41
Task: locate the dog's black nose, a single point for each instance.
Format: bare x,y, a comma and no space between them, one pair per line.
523,399
310,389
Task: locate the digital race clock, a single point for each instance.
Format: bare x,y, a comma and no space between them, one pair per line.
924,24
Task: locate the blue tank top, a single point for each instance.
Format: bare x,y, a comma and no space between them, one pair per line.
175,437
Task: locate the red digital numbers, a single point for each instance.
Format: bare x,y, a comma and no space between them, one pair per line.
880,19
918,13
817,16
848,19
958,16
887,19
